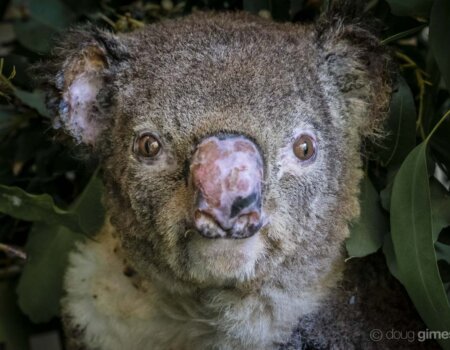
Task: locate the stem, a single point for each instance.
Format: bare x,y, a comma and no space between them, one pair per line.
16,252
419,125
421,82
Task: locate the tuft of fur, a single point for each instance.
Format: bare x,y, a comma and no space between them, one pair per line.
149,281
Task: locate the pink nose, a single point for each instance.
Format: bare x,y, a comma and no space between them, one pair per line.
226,174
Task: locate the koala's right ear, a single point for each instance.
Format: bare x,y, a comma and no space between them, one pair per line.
77,80
357,68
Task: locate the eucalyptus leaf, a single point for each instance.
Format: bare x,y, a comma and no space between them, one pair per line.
41,284
40,287
403,34
368,231
14,327
41,208
89,207
29,207
412,237
389,254
385,193
35,99
53,13
439,37
440,207
34,35
441,146
401,126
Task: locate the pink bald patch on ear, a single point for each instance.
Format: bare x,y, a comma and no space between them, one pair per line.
81,97
83,81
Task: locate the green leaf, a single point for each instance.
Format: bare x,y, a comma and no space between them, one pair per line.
33,35
35,99
14,327
41,208
440,144
53,13
17,203
401,126
412,237
41,284
440,207
89,207
368,231
385,193
45,19
389,254
40,288
410,7
440,37
403,34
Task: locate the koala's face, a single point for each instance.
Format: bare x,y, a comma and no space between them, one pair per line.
230,144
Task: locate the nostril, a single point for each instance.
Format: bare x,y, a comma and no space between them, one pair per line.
245,225
204,218
248,222
241,203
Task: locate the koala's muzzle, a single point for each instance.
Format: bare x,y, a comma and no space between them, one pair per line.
226,174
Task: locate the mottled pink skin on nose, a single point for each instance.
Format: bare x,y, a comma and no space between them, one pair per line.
223,171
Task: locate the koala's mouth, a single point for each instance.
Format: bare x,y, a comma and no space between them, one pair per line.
217,233
245,227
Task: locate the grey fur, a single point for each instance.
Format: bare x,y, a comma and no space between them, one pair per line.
205,74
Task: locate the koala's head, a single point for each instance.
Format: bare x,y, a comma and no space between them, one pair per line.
229,144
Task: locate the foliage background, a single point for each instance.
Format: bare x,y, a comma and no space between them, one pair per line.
49,198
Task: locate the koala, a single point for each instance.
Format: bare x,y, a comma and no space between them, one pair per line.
230,148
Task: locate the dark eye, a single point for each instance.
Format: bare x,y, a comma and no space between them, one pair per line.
304,147
147,145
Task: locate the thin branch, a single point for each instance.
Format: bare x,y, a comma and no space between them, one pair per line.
13,251
422,83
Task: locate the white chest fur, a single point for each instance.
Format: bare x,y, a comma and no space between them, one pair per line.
115,313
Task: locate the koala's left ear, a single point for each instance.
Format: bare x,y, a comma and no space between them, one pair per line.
356,68
78,81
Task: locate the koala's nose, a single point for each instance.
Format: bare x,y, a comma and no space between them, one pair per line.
226,174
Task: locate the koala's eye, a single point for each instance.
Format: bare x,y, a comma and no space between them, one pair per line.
304,147
147,145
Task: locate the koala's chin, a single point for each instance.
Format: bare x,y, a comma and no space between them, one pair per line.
222,261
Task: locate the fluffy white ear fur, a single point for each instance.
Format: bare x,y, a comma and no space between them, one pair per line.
80,98
79,107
